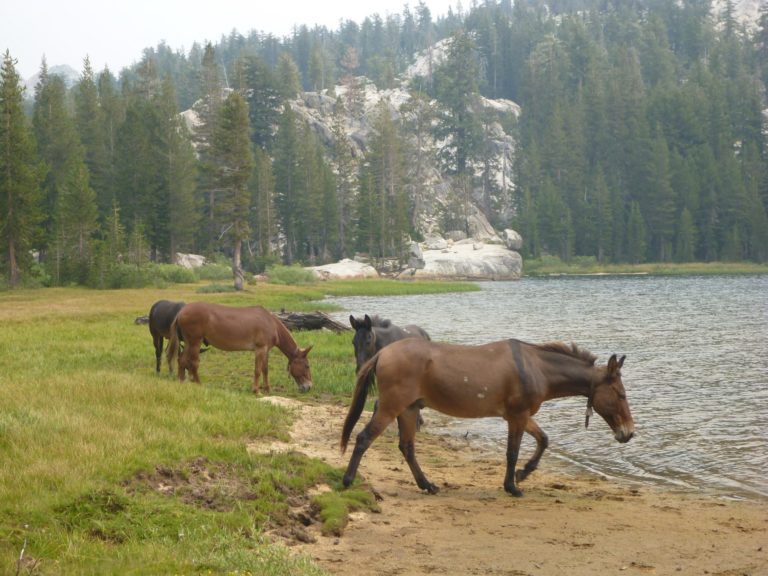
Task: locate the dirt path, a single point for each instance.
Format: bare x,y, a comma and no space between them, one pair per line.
564,524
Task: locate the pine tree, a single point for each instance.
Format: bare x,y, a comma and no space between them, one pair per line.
263,221
233,159
458,91
20,178
685,241
207,110
179,176
287,201
89,120
346,176
386,166
636,243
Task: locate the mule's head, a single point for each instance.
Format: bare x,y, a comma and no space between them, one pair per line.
610,400
298,367
364,340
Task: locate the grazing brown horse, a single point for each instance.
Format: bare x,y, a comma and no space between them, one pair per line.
236,329
509,379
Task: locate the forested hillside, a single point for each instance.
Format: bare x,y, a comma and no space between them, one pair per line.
641,136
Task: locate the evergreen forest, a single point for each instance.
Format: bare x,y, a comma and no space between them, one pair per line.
642,137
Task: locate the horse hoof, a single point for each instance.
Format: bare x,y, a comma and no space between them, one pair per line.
431,489
513,491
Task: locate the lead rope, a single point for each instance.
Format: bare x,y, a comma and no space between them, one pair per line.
589,405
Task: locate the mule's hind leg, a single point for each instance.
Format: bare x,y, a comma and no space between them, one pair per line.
542,441
192,355
365,438
157,340
408,424
261,366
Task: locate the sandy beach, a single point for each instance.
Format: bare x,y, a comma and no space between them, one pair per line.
566,523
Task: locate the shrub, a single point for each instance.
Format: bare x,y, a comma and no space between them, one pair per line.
215,271
290,275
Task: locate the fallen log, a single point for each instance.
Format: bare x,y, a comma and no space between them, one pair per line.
310,321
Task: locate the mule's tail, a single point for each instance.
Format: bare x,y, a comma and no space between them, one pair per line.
173,344
366,377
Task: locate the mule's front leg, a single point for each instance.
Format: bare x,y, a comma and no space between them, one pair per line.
514,437
542,441
408,424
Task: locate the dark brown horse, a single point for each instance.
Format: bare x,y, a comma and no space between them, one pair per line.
236,329
161,316
373,333
509,379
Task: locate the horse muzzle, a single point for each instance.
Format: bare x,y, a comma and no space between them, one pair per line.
624,433
305,386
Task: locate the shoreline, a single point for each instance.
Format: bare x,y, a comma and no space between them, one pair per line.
559,462
577,524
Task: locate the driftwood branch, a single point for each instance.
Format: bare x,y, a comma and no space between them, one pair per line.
310,321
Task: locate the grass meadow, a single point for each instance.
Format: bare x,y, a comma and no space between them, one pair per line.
92,440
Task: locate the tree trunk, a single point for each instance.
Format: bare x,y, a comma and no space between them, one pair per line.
237,269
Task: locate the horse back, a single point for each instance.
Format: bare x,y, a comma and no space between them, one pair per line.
463,381
228,328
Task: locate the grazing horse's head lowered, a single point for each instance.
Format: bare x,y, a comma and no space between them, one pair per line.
609,399
298,368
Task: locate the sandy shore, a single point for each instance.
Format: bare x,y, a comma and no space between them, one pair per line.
565,524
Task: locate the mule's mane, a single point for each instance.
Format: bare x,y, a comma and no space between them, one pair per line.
380,322
573,350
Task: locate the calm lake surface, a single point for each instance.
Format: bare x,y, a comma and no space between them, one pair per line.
696,371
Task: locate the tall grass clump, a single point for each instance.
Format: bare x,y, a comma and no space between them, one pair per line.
290,275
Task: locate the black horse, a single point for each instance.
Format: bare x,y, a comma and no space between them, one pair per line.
373,334
161,316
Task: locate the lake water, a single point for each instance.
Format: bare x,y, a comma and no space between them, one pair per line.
696,371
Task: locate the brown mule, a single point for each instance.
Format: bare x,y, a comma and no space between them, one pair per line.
236,329
509,379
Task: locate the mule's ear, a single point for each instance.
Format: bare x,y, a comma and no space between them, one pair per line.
306,350
353,321
621,361
612,364
368,322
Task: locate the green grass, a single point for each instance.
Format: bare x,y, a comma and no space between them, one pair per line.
108,468
552,265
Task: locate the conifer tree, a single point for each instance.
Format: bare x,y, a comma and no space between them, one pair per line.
233,159
89,120
457,90
263,221
287,196
346,177
20,178
179,177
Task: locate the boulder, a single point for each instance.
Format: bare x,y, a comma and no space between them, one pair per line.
190,260
415,256
512,239
434,242
345,268
469,261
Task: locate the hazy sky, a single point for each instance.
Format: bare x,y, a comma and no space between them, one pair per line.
114,33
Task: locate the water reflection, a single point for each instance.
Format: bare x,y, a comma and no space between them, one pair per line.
696,372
